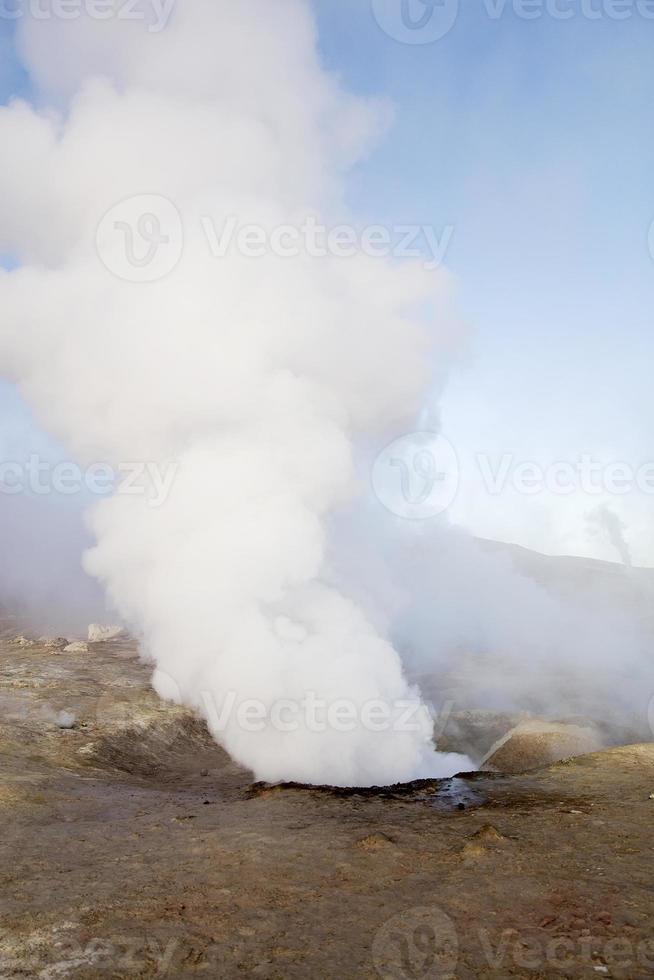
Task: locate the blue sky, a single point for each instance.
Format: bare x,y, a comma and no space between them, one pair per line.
535,141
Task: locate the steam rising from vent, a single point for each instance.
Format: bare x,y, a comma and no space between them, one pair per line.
609,522
256,378
261,585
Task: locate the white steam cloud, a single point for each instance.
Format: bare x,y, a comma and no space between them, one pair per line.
257,378
265,383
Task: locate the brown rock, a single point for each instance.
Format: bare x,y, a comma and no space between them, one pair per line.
534,744
54,642
23,641
78,647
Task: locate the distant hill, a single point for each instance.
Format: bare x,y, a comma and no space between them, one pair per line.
628,589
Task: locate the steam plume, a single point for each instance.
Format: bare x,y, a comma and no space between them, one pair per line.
255,378
264,383
609,522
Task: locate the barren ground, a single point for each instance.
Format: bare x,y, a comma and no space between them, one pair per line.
133,847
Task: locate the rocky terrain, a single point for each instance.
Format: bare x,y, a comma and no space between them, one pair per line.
133,847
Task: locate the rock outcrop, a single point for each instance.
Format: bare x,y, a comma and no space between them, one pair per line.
100,634
533,744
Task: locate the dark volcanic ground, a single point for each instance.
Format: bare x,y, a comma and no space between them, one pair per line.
133,847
